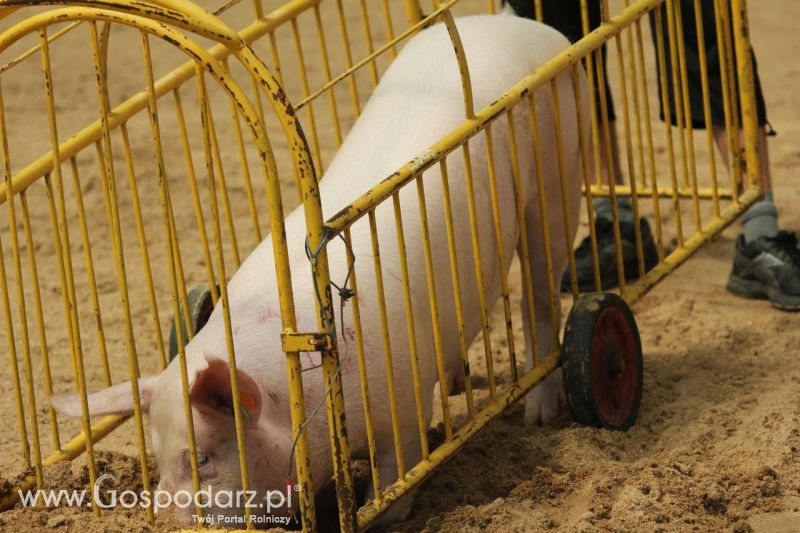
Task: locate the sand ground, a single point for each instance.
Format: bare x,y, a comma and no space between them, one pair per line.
717,441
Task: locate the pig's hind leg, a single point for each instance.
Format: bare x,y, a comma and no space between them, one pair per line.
543,403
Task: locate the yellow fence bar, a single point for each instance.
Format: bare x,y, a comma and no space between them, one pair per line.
110,196
524,250
705,193
240,144
67,452
434,305
138,102
480,281
410,329
665,104
688,114
63,251
609,154
455,276
23,319
369,513
312,123
40,324
373,69
186,15
370,59
730,70
545,223
318,236
654,190
348,57
471,127
562,178
698,17
626,121
362,369
87,253
33,50
387,18
692,245
12,355
387,347
326,70
206,120
587,181
198,209
223,191
137,213
498,239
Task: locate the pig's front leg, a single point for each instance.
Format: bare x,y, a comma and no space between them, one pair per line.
543,403
387,470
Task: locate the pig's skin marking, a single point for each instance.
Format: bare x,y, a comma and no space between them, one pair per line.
236,329
274,397
265,315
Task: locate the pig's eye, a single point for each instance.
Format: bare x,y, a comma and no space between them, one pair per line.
204,464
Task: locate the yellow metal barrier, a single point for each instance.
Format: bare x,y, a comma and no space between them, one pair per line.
230,75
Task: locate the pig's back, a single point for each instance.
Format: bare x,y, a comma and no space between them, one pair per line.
420,97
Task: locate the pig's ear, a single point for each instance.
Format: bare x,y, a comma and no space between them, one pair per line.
211,391
116,400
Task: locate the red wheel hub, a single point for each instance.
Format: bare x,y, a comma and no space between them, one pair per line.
614,366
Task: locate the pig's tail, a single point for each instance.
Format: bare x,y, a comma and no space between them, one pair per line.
345,293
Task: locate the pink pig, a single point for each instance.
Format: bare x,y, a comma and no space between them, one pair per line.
418,101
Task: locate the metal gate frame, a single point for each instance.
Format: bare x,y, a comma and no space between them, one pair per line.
185,16
478,121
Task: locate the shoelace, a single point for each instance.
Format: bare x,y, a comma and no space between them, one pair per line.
786,243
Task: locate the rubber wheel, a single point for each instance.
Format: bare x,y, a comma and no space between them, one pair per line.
201,305
602,362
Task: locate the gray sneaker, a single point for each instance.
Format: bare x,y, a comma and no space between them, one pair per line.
768,269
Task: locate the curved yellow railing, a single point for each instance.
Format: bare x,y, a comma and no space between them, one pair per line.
178,22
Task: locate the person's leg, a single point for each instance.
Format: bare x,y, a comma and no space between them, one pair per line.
766,263
761,220
566,16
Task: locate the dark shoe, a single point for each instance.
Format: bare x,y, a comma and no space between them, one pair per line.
607,256
768,269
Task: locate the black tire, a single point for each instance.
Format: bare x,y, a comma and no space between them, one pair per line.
201,305
602,362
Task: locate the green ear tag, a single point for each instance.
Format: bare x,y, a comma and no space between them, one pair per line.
245,412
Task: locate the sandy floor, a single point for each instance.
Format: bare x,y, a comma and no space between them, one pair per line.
717,441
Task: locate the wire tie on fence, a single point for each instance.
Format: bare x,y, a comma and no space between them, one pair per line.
345,293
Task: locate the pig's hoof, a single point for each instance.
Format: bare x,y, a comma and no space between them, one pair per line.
455,385
455,382
398,512
543,403
200,307
601,357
